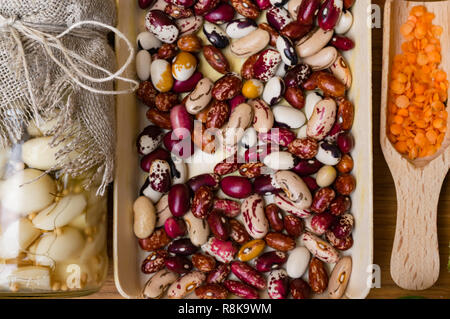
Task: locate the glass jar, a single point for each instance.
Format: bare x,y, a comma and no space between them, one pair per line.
52,230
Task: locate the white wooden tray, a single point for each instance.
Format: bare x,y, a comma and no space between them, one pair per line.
129,177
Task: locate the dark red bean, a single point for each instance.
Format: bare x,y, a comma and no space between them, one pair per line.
275,217
270,260
179,200
182,247
236,186
342,43
293,225
345,142
307,11
219,224
178,264
264,185
307,167
175,227
210,180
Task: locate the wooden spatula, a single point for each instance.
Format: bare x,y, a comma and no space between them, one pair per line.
415,254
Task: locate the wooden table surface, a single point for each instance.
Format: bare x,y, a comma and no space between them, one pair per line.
385,207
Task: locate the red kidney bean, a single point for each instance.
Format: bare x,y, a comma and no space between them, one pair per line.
182,247
307,167
293,225
238,233
270,260
241,290
148,159
342,43
188,85
175,227
179,198
178,264
210,180
307,11
219,225
275,217
236,186
340,205
223,13
181,148
248,275
154,262
329,14
311,183
280,136
322,200
181,121
202,203
228,207
345,142
265,185
219,275
321,223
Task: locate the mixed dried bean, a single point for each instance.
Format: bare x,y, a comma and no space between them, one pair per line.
262,216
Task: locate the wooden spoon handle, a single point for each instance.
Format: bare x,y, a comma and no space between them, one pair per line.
415,254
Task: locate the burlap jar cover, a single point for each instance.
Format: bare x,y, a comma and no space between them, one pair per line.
56,64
